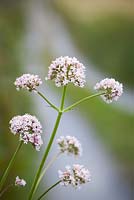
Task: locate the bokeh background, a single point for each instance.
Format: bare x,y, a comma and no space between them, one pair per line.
100,34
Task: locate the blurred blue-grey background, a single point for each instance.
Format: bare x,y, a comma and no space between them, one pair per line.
101,35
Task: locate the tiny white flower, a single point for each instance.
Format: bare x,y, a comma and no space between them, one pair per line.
28,82
28,128
75,176
69,144
66,70
20,182
113,89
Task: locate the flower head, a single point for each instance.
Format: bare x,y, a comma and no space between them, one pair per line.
113,89
75,176
29,129
66,70
20,182
70,145
28,82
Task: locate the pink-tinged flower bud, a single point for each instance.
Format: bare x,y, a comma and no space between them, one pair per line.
28,82
75,176
20,182
113,89
28,128
70,145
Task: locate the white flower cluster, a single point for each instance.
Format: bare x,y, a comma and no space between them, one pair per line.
28,82
70,145
66,70
29,129
75,176
113,89
20,182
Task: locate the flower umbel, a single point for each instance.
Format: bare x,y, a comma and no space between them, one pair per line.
29,129
76,176
113,89
66,70
70,145
28,82
20,182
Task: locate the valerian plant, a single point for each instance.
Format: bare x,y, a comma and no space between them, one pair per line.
63,71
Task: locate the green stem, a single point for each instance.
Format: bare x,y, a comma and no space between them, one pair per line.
3,179
52,105
63,98
46,168
33,189
48,190
82,100
45,156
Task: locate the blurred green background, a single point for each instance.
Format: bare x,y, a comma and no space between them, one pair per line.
103,31
11,102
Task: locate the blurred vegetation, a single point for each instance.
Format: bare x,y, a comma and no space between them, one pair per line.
11,102
105,36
